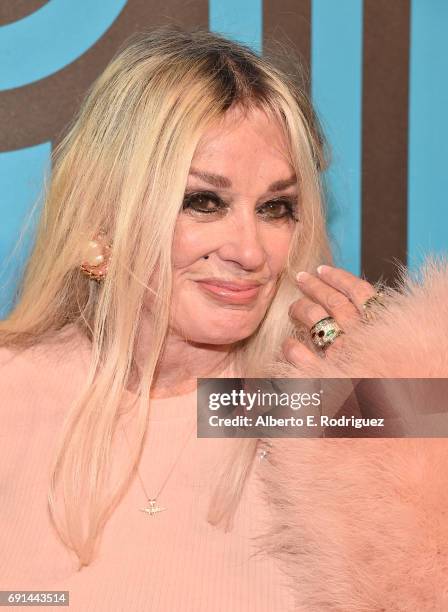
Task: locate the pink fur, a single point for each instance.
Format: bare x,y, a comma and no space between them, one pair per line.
361,525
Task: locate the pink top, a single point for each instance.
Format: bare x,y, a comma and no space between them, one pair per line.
174,560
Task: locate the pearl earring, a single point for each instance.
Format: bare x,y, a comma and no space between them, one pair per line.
96,258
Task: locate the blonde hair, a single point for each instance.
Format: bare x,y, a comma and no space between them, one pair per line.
122,168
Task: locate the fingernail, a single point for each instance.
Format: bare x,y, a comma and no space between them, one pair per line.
302,276
322,268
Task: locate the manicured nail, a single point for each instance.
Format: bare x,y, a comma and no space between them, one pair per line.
302,276
323,268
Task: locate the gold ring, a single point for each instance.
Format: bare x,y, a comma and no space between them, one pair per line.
372,303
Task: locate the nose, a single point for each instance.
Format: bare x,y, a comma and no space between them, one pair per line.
243,243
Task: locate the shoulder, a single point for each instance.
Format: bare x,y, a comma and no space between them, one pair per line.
42,378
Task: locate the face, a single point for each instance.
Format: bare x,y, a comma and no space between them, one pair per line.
233,233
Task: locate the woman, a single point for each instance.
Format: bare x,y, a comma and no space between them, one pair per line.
184,200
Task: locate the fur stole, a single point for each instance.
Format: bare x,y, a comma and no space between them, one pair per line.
361,524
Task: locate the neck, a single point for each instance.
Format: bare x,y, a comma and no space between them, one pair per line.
182,362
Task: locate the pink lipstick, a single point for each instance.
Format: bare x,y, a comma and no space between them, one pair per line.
230,292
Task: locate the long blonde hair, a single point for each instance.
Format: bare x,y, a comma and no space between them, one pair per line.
122,168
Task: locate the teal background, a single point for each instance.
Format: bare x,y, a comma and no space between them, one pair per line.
336,76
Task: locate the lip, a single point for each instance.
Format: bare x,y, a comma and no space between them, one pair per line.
230,292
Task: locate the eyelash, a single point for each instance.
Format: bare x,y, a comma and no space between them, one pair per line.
189,198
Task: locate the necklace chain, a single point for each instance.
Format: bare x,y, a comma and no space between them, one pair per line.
153,508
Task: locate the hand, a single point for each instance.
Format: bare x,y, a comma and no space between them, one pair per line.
332,292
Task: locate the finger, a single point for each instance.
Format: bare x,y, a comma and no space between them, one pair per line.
358,290
306,311
331,300
298,354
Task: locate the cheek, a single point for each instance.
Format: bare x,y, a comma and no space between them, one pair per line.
277,249
191,242
184,248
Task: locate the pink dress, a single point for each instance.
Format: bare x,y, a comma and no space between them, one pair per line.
174,560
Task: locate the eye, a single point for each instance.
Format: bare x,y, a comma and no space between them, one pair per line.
280,208
203,202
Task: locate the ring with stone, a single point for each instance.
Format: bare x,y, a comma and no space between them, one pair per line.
324,332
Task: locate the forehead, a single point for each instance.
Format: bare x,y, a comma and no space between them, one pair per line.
251,138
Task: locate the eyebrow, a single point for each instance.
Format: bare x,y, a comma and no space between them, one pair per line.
222,182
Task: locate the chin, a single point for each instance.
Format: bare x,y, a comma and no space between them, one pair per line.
219,333
217,338
217,327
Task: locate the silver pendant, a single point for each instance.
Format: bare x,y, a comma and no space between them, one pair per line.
153,508
262,454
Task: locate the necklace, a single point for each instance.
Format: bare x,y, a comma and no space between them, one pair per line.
153,507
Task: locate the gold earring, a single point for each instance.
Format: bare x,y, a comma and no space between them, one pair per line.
96,255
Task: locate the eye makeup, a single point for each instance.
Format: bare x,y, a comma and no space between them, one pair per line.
209,203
